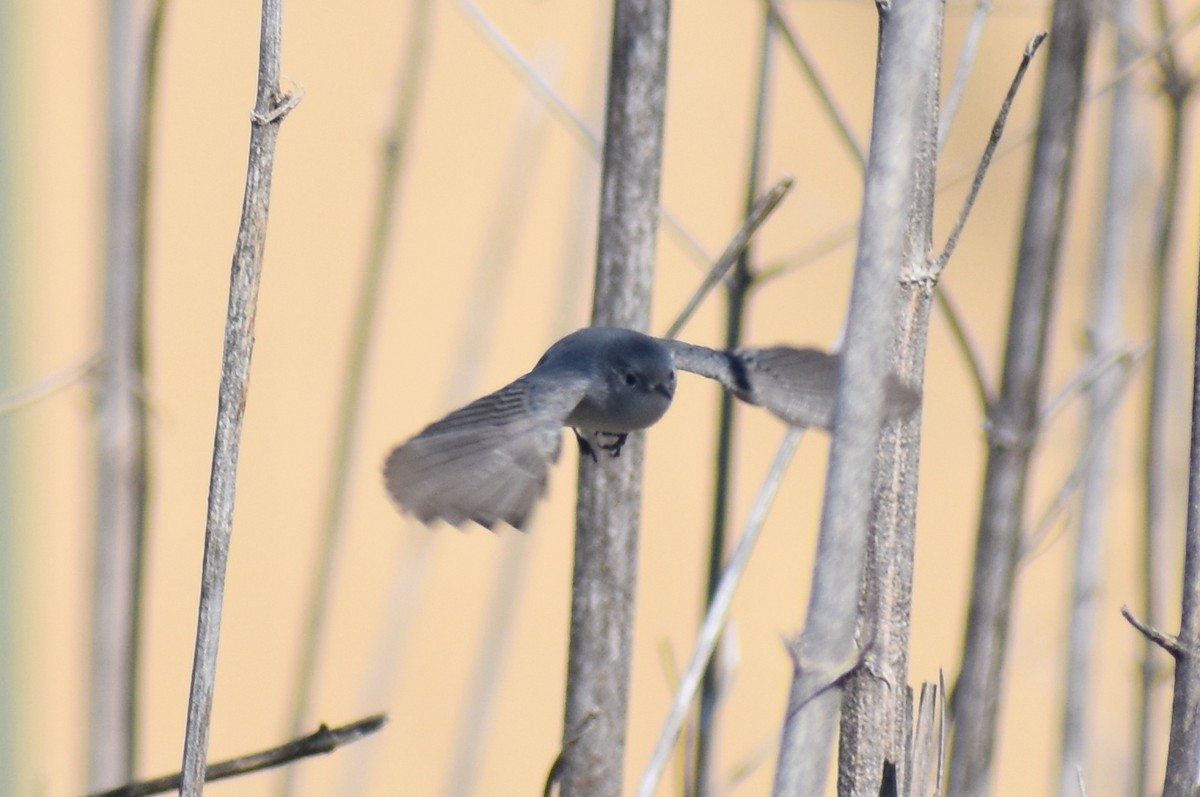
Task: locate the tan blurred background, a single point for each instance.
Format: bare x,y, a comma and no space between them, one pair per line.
345,57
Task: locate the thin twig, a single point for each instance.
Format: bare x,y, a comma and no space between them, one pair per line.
1083,381
925,742
496,255
737,295
323,740
966,345
564,112
1038,539
824,94
762,210
966,62
22,397
271,103
812,252
1168,642
1104,334
989,151
717,614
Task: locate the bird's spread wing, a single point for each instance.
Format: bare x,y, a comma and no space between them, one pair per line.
797,385
488,461
713,363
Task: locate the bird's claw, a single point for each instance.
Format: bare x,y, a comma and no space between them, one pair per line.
585,448
611,442
614,447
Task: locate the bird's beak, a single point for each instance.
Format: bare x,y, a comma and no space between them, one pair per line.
666,388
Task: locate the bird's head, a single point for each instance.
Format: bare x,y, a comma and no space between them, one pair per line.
640,378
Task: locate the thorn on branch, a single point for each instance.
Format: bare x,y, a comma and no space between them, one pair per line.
555,773
1168,642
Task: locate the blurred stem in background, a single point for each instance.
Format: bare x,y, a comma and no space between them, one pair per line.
385,211
738,286
1104,338
121,419
1160,553
1014,416
494,265
11,714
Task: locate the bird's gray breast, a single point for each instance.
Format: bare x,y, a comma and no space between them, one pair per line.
616,411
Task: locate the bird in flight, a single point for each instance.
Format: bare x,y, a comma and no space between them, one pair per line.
490,460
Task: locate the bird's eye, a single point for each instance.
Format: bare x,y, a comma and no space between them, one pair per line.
630,378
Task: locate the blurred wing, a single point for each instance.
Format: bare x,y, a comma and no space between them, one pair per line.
800,385
488,461
797,385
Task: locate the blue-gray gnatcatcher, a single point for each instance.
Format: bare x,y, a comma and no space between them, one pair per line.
490,460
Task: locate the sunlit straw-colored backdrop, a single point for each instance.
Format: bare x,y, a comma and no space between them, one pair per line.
475,122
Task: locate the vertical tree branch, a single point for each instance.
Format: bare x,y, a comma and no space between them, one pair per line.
1183,748
609,506
121,467
1105,338
271,106
876,726
1013,422
824,652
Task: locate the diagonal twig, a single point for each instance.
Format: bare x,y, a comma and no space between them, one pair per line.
323,740
718,613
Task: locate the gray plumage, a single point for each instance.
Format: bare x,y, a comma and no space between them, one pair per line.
490,461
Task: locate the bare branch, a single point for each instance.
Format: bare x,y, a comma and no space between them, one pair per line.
840,123
22,397
762,210
1014,417
1031,49
323,740
1168,642
231,405
875,747
575,123
1183,747
608,511
909,38
1099,424
966,61
966,346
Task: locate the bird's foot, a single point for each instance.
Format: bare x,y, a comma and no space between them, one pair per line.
610,442
585,448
